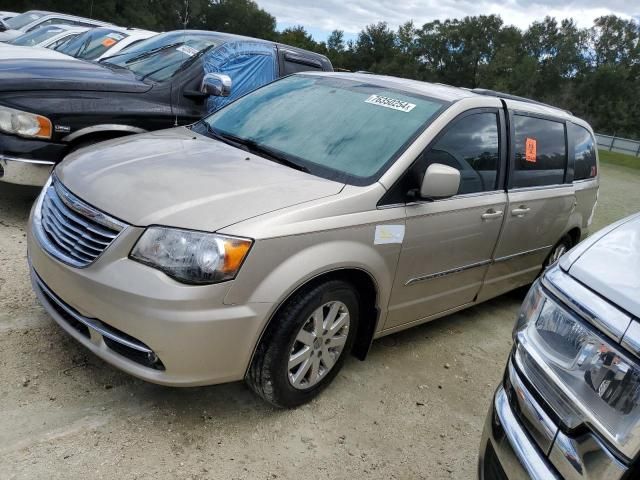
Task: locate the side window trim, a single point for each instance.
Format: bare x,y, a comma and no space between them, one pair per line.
302,60
502,161
572,137
512,148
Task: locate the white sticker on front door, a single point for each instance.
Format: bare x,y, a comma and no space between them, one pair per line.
388,234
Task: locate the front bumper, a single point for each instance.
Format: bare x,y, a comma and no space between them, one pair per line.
197,339
28,161
23,171
520,441
506,450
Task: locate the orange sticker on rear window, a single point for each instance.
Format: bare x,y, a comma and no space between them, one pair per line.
530,150
108,42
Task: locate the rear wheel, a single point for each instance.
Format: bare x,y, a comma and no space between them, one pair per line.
305,345
562,247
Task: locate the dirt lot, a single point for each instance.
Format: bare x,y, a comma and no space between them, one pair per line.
401,414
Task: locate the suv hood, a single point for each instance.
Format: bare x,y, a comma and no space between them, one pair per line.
183,179
609,264
68,73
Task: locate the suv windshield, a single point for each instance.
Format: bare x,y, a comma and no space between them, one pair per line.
92,44
37,36
345,130
21,20
159,57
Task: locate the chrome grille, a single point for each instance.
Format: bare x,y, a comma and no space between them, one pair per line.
70,229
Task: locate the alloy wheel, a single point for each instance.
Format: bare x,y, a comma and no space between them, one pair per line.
318,345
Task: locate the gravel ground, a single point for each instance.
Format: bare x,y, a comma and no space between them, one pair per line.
414,409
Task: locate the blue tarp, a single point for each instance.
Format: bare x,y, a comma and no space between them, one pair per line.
249,64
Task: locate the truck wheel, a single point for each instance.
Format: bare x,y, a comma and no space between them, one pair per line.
305,344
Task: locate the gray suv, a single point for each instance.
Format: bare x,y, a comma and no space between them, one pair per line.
569,404
303,220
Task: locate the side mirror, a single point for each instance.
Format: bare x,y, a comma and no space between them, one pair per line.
216,84
3,26
440,181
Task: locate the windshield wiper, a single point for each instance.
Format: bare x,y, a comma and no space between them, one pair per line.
252,146
152,51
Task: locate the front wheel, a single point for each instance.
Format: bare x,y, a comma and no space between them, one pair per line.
305,345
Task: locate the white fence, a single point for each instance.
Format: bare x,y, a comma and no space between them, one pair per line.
617,144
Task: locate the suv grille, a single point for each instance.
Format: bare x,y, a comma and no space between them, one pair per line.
71,230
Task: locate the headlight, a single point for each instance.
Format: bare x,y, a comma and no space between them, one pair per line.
584,377
191,257
24,124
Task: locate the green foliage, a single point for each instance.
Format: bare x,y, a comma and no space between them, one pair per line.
594,72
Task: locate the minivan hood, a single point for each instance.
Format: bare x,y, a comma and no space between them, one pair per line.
183,179
611,265
68,73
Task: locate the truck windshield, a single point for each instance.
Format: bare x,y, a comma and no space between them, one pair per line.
92,44
160,57
337,128
19,21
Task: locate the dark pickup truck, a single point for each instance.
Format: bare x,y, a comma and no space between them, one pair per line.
51,107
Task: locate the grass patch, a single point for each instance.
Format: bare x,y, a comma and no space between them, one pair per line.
619,159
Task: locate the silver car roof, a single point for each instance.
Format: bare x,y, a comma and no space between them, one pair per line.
449,93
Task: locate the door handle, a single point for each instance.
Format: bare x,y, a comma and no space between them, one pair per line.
491,213
521,211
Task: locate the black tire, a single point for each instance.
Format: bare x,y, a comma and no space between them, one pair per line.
565,244
268,374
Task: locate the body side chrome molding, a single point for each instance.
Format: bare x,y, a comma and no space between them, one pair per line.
519,254
482,263
430,276
107,127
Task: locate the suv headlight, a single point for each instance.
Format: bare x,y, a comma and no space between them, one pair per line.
24,124
584,377
189,256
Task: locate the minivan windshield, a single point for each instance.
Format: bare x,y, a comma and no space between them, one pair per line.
160,57
37,36
337,128
92,44
19,21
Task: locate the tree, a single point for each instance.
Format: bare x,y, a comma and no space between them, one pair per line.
298,37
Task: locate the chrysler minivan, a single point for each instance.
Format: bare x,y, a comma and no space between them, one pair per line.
302,221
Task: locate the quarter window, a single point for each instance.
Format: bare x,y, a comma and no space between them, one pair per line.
471,145
584,153
540,152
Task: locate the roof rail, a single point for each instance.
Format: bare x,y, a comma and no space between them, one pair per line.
507,96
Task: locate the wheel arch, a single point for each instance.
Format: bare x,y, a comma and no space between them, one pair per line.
575,234
101,132
368,294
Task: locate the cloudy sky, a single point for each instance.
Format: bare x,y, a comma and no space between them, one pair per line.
320,17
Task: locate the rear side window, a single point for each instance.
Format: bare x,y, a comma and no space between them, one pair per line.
584,152
471,145
540,152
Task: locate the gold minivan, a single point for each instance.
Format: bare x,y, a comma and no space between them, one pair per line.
301,222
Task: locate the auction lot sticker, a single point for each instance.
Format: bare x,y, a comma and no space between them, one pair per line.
393,103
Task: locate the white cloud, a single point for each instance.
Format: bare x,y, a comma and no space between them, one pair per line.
352,15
